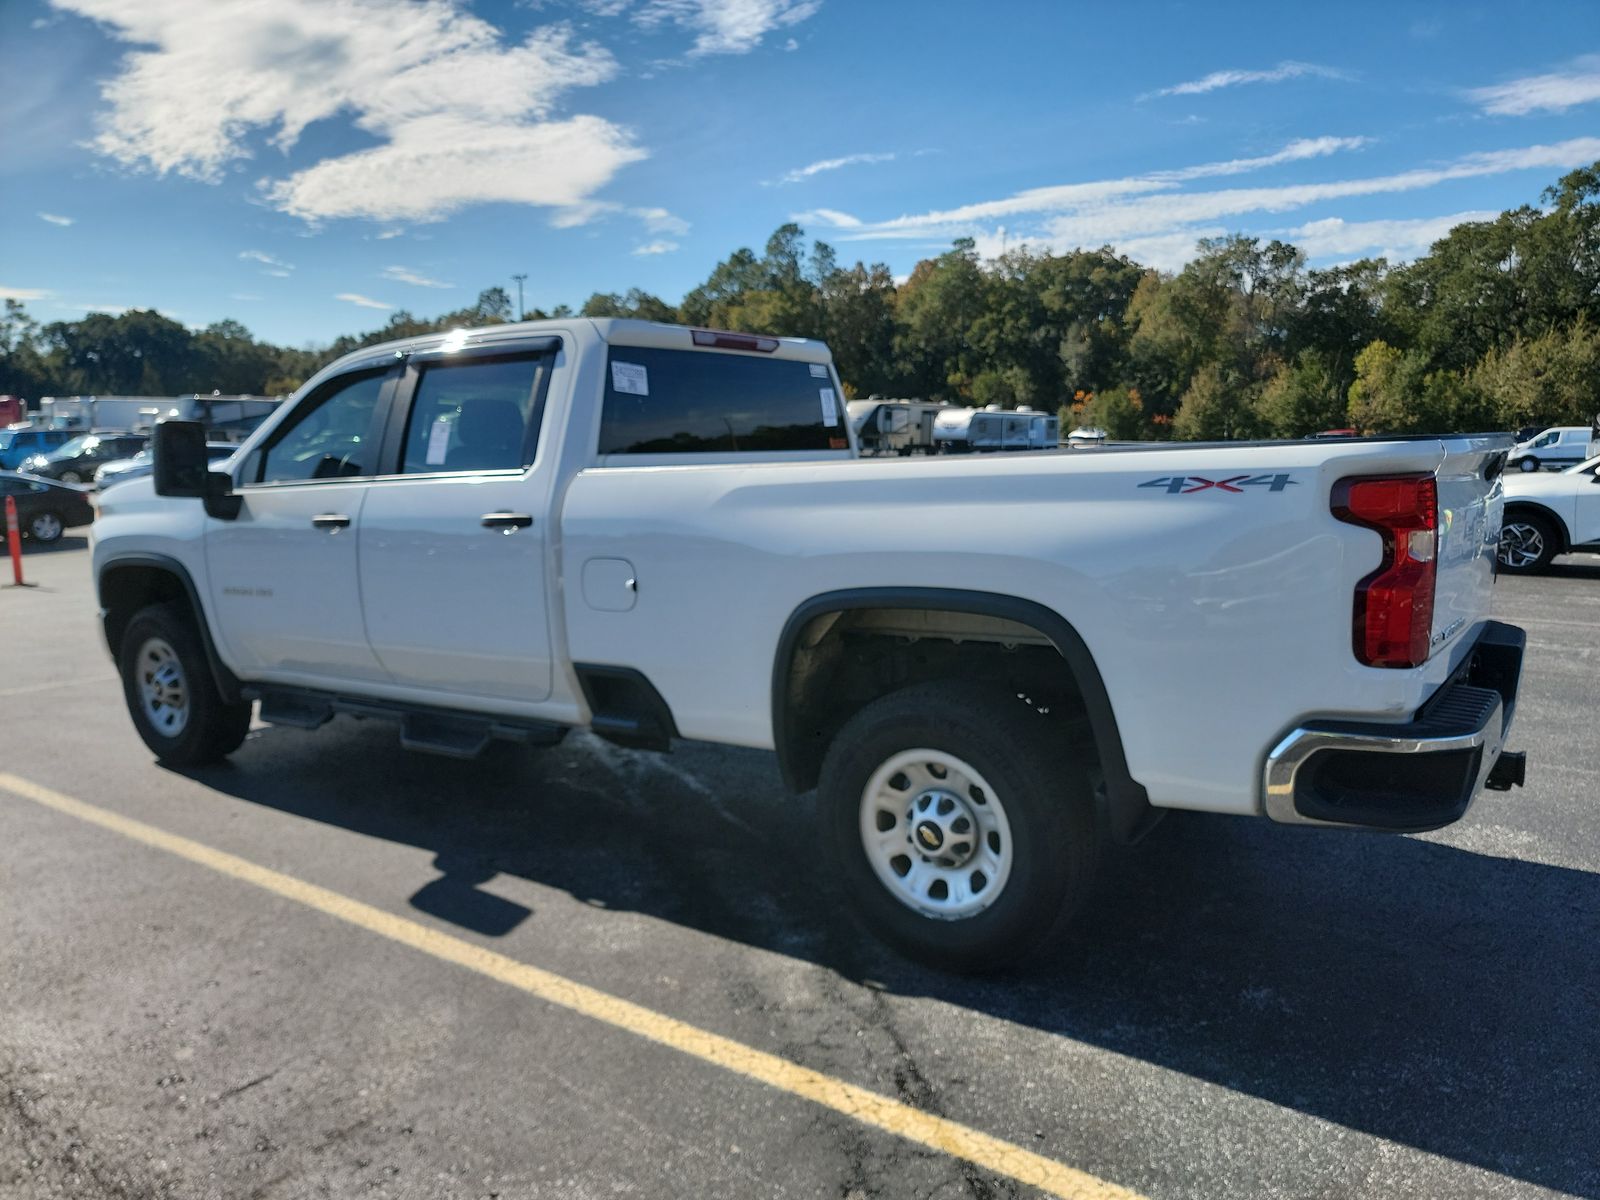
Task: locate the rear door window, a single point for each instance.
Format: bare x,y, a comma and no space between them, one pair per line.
476,415
699,401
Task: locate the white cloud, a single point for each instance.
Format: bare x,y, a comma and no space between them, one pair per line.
1080,196
726,26
16,293
56,219
275,272
1296,151
827,216
833,164
1154,219
1224,79
391,233
661,246
1394,239
405,275
266,260
440,164
111,310
460,118
659,220
246,296
1555,92
363,301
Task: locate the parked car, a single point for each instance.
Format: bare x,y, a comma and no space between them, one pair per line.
79,459
123,469
45,509
20,443
1550,514
1561,446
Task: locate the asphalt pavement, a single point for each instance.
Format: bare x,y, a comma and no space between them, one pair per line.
1246,1010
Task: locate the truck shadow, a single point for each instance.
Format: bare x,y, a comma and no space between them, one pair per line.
1575,566
1433,996
67,541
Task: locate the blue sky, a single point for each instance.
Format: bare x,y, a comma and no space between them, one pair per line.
309,166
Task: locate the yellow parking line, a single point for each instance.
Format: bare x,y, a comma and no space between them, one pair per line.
857,1103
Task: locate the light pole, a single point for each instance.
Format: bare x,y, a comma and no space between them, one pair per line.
521,311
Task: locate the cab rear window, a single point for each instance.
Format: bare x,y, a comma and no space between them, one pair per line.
696,401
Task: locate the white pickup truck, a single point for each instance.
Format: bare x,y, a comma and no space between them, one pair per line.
985,666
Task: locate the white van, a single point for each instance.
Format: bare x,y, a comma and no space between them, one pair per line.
1560,446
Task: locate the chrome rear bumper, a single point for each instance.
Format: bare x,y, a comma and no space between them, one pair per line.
1409,777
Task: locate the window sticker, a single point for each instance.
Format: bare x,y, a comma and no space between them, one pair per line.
630,378
819,371
830,408
438,442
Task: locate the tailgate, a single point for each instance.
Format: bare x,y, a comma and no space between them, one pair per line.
1470,506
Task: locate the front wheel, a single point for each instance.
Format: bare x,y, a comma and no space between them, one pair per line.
71,477
962,828
171,693
1529,464
1527,544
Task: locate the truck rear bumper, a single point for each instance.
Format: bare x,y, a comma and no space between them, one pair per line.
1411,777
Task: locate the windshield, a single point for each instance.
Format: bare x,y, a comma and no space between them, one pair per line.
77,446
1583,467
7,437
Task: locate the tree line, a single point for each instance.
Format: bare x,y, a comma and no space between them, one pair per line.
1497,327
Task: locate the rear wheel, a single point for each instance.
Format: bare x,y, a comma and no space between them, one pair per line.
71,477
171,694
45,527
1527,543
962,828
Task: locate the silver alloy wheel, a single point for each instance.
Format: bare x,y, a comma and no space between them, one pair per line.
45,527
71,477
936,834
163,691
1521,546
1528,464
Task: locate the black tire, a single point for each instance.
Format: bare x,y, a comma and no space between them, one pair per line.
71,477
1045,797
51,524
1528,464
212,728
1528,543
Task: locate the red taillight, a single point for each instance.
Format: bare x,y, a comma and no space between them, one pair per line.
734,341
1394,604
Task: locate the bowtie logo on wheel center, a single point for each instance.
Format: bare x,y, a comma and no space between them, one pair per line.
930,835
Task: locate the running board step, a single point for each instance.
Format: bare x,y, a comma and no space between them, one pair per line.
448,736
296,710
433,731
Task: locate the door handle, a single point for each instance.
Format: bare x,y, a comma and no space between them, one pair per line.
506,522
330,521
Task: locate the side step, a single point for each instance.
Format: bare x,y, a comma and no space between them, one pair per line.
431,730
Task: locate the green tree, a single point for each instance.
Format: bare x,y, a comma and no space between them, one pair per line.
1119,411
1302,398
1218,406
1553,379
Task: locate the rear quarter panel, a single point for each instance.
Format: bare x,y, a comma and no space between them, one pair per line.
1219,616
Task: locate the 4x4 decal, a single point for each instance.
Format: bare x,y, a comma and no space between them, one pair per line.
1183,485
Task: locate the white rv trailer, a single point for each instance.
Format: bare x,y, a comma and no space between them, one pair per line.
963,430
